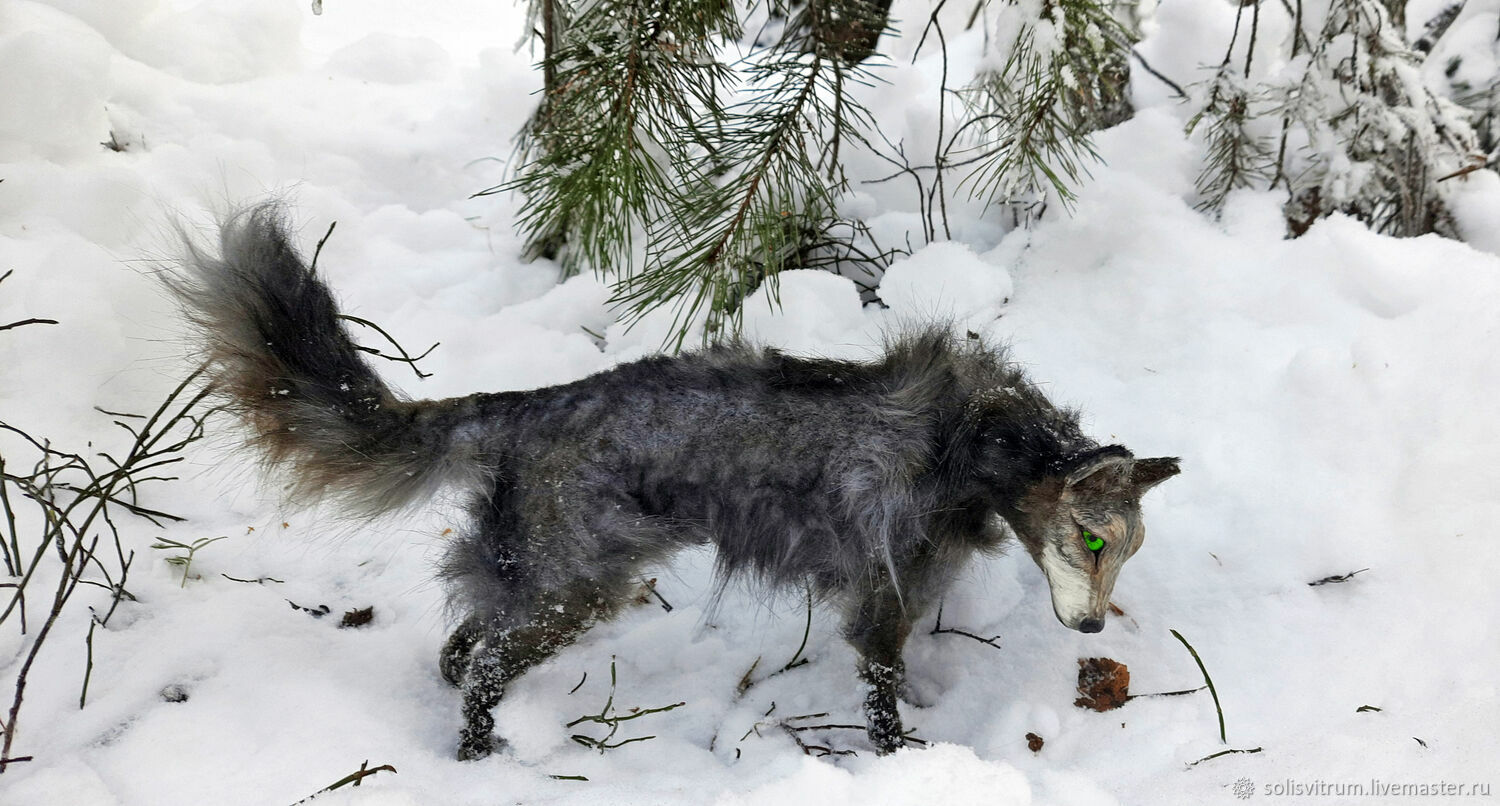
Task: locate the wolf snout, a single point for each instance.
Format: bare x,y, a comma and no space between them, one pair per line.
1091,625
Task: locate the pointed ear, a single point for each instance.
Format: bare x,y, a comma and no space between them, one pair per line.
1083,466
1148,473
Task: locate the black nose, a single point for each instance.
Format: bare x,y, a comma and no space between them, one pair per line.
1091,625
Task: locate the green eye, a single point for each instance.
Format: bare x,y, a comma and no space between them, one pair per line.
1093,543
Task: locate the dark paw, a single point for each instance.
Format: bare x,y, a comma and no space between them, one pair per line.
886,744
884,729
470,752
882,721
474,749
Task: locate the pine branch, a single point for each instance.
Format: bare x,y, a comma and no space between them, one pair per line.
1063,76
769,189
624,80
1237,156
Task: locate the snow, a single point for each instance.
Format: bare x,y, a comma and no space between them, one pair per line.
946,280
1330,397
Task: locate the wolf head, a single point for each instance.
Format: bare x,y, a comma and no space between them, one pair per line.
1082,521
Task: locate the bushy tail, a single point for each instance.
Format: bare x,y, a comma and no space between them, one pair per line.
279,356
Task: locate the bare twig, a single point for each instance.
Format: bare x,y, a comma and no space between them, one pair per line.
1335,578
1254,30
11,552
1176,88
1464,171
1222,753
404,357
607,716
651,587
939,629
1168,693
746,680
318,250
819,750
797,659
939,190
256,581
355,778
25,322
88,669
1207,680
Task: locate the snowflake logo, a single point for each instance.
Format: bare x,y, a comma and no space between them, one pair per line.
1243,788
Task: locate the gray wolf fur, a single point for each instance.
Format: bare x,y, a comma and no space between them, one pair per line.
871,483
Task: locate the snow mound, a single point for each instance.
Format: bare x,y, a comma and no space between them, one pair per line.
805,311
945,280
391,59
54,84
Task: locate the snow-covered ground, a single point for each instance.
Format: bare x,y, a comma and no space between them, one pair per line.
1332,399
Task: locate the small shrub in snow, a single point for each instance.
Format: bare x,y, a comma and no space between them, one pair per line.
184,560
58,512
1343,124
611,718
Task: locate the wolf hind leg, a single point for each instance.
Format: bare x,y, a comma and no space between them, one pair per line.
877,627
499,654
453,659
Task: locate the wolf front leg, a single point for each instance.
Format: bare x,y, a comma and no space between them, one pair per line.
499,654
878,628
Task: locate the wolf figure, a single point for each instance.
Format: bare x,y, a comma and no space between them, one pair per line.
870,482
